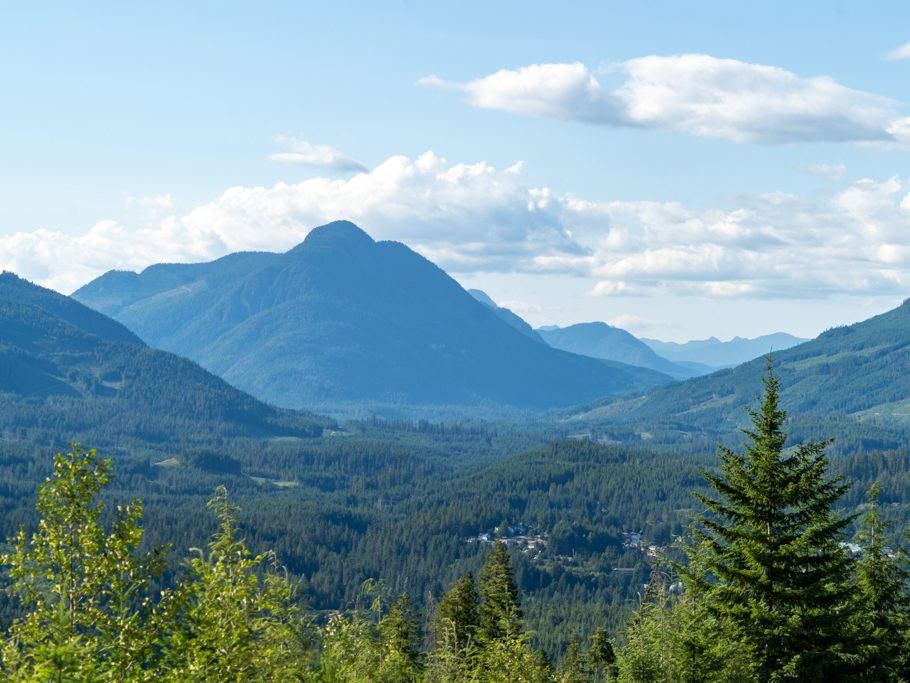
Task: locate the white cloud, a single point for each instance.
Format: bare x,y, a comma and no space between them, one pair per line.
694,94
830,171
627,321
902,52
616,288
159,202
303,153
472,218
774,245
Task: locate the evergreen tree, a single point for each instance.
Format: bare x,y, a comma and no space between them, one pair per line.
457,617
882,580
771,555
400,637
674,638
500,614
601,655
575,666
455,624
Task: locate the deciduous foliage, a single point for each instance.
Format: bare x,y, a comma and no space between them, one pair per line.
85,585
232,619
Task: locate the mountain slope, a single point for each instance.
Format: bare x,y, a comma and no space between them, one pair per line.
718,354
68,371
506,315
599,340
343,319
850,374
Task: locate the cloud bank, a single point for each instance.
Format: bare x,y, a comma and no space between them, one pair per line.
303,153
694,94
477,218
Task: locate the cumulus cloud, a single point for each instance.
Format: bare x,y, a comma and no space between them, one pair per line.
902,52
463,216
830,171
303,153
695,94
774,245
478,218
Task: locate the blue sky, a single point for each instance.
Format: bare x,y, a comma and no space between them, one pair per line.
679,169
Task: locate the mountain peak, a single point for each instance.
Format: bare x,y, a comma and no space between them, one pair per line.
336,234
341,319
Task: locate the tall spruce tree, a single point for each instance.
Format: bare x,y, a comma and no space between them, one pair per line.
399,633
457,615
882,582
774,568
500,614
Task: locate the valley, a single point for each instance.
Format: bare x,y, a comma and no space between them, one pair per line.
392,496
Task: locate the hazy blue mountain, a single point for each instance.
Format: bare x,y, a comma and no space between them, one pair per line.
505,314
850,376
714,353
64,308
599,340
341,319
69,371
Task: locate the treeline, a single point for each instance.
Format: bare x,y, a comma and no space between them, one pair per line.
764,589
92,614
400,510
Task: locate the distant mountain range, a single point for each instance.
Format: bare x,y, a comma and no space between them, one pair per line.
67,371
679,361
342,319
714,353
599,340
851,376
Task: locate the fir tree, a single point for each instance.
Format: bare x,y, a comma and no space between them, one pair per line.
602,655
400,636
882,580
771,555
457,617
500,614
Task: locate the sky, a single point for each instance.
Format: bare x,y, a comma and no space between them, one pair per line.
680,170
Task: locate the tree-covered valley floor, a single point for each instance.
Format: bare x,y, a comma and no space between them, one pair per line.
383,509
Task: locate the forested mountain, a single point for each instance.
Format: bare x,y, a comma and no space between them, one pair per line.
341,319
848,376
69,371
599,340
716,354
505,314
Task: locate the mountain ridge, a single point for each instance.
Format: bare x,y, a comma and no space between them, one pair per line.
716,354
600,340
69,371
852,377
343,318
506,315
